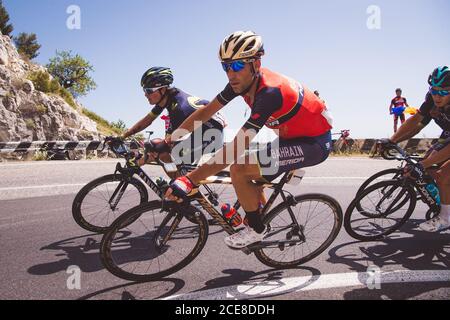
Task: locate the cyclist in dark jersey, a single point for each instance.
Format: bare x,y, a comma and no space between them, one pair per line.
436,107
397,108
299,117
156,83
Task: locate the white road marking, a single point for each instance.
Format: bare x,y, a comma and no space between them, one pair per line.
50,186
259,289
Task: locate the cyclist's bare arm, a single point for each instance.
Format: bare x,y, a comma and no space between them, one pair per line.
141,125
437,157
409,129
229,154
199,117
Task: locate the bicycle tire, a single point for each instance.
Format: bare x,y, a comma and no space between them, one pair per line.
411,196
374,177
338,218
397,173
80,216
113,266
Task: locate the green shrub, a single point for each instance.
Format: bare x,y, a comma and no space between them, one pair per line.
42,109
40,156
30,124
67,96
42,82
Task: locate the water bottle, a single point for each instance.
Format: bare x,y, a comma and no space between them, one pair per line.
434,192
231,215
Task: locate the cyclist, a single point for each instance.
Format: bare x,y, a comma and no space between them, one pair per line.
300,118
397,108
436,107
156,83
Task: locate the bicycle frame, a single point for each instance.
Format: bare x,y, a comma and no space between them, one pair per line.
132,169
419,184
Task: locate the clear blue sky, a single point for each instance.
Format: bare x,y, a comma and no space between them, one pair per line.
325,45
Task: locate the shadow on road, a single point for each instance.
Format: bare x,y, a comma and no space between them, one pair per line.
82,251
410,248
245,284
139,291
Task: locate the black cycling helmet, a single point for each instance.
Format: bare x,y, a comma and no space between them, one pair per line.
398,90
157,77
440,77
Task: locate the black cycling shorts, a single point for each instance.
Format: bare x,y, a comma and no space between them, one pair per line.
284,155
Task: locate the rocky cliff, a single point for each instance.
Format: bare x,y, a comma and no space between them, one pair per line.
27,114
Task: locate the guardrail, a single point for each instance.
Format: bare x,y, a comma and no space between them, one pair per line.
358,145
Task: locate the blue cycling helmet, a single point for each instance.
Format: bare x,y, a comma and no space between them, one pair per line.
440,77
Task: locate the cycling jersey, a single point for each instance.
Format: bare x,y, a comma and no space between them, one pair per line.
441,116
180,106
399,102
284,104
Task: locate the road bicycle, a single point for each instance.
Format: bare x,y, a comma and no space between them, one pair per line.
102,200
159,238
382,208
343,144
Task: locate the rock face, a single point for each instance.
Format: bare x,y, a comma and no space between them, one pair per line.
30,115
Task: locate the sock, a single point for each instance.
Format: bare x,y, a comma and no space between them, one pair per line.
254,220
445,212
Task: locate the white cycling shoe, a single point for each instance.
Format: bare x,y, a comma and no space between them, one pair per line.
435,225
244,238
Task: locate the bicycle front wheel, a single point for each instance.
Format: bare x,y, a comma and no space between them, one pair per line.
155,244
388,174
102,200
300,231
371,215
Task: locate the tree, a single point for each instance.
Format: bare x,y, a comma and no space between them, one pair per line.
71,71
120,125
5,27
27,45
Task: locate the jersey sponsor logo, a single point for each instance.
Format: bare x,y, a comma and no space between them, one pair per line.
288,152
256,116
272,122
194,102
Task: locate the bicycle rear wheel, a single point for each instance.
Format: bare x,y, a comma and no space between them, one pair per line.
289,242
155,244
370,216
94,207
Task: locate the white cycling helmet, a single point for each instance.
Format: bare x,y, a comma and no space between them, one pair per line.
241,45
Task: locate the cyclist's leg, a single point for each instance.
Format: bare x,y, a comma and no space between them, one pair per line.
442,177
395,123
279,157
402,118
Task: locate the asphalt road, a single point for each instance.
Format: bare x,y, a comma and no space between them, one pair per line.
41,244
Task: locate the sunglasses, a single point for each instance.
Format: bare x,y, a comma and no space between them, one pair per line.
236,66
152,90
442,93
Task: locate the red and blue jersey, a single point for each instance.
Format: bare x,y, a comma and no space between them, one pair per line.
399,102
283,104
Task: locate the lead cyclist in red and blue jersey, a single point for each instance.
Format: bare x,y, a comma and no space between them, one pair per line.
299,117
